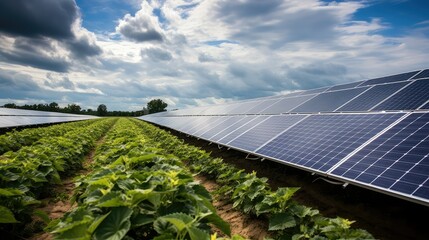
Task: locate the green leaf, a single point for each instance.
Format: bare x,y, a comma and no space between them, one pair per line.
138,195
97,222
112,199
219,223
6,215
115,226
42,215
8,192
179,220
281,221
141,220
77,232
197,234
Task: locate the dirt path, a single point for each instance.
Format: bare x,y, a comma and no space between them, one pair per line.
59,204
242,224
383,216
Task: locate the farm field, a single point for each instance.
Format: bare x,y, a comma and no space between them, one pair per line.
119,178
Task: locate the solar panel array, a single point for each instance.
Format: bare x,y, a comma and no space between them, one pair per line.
17,117
372,133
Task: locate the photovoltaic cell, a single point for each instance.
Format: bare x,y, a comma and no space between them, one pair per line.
328,102
423,74
262,106
237,132
321,141
398,160
313,91
211,121
240,121
344,86
241,108
389,79
286,104
263,132
372,97
214,123
229,121
409,98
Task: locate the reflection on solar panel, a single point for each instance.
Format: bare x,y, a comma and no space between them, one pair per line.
260,134
423,74
262,105
398,160
255,121
341,132
320,141
372,97
411,97
328,102
17,117
344,86
389,79
286,104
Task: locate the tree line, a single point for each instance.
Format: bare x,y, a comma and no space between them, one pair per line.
153,106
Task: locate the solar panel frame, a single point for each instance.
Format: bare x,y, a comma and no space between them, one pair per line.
389,79
422,74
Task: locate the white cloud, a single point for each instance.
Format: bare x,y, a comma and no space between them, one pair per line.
215,51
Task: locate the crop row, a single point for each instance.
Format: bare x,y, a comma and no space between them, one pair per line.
14,140
251,194
27,174
136,191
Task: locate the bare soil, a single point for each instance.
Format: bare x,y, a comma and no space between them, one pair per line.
241,224
384,216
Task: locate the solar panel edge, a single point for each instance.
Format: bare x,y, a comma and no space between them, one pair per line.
394,193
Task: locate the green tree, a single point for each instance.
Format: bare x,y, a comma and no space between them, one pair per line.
102,110
53,106
156,105
10,105
72,108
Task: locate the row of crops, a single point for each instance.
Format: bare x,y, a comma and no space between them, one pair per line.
141,186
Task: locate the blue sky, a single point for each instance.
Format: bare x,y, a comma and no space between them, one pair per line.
123,53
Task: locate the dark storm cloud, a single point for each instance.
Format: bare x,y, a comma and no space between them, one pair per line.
40,29
50,18
83,48
141,32
36,60
10,80
157,54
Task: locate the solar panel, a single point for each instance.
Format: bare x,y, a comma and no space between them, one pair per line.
389,79
316,90
286,104
423,74
245,127
344,86
241,108
213,123
411,97
372,97
329,101
320,141
397,161
262,105
238,122
221,126
263,132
